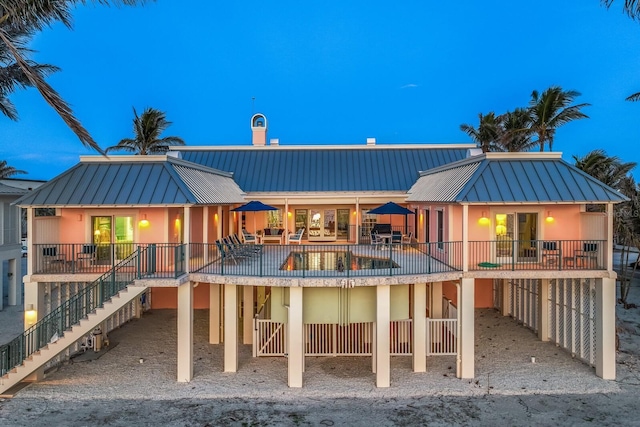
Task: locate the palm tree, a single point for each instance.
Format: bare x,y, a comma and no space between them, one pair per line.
147,129
486,135
631,7
7,171
626,223
607,169
552,109
515,131
24,17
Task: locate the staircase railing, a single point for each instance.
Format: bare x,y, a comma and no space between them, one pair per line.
52,327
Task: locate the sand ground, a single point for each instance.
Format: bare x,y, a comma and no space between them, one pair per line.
118,390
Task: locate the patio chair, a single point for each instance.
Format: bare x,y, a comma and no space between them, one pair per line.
240,248
248,237
407,239
377,241
235,240
87,255
224,253
588,254
295,238
396,239
52,258
241,251
550,253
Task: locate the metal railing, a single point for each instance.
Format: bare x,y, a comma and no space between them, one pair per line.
508,254
53,326
326,260
156,260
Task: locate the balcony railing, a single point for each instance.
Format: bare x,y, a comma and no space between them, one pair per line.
155,260
325,260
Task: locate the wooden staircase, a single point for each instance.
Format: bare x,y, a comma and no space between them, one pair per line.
86,325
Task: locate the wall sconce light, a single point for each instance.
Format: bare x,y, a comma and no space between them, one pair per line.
30,315
484,220
549,217
215,217
144,222
289,214
79,217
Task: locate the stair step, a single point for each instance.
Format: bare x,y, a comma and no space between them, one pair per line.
14,390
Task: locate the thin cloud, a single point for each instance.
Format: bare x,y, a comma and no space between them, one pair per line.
409,86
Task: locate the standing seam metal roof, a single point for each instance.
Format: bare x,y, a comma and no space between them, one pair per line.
325,169
512,180
156,181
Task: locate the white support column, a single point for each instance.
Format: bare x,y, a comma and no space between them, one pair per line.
219,224
230,328
608,253
214,313
605,319
543,310
295,338
419,327
187,237
383,319
435,312
34,310
185,332
466,338
31,246
506,301
357,222
465,238
205,234
247,315
285,220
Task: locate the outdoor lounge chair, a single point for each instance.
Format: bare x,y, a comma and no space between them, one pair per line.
224,253
248,237
377,241
234,240
295,238
550,253
53,259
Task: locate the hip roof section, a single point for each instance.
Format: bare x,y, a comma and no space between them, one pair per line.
325,168
512,178
135,181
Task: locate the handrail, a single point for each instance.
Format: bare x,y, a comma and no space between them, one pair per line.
69,313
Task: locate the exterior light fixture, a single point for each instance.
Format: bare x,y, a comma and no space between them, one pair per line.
549,217
483,219
30,315
144,222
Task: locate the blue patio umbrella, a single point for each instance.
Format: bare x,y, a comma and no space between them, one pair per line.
391,208
254,206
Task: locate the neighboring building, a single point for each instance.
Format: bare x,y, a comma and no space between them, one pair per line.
12,221
503,230
10,245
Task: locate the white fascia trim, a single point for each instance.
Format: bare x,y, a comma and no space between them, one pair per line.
321,147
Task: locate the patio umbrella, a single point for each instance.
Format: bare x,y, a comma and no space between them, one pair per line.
254,206
391,208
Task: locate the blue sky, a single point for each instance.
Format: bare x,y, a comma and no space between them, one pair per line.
330,72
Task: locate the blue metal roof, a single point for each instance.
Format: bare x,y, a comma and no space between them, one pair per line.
139,181
513,178
325,169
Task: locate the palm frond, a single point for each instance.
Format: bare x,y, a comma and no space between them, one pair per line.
51,96
630,7
634,97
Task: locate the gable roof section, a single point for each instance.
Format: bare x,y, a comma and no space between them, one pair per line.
325,168
135,181
512,178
